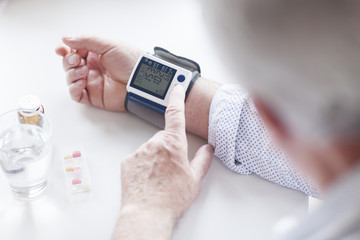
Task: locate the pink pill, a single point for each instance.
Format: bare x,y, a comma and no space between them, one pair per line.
76,154
77,169
76,181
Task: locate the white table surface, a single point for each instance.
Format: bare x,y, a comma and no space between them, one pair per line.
230,206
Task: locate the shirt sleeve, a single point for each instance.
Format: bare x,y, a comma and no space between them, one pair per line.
242,142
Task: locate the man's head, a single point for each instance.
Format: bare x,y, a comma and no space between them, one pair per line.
301,64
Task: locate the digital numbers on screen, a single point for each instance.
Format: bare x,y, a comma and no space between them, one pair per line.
153,77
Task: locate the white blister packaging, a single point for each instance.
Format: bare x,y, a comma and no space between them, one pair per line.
76,170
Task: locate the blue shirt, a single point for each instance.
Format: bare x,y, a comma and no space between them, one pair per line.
243,143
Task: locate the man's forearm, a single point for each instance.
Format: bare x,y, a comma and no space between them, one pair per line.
136,224
198,105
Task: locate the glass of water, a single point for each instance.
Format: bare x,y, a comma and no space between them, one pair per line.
25,152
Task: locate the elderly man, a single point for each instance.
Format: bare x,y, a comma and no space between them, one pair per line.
300,61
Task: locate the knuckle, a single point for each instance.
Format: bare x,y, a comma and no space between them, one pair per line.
127,161
174,140
65,62
74,95
80,71
153,146
173,110
171,141
68,77
76,73
158,146
162,147
149,145
76,89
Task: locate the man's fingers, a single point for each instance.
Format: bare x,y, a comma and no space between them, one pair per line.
76,89
174,115
62,51
77,73
201,162
83,53
71,60
87,43
78,92
85,99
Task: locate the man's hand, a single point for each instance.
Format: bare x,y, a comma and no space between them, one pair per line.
97,70
158,181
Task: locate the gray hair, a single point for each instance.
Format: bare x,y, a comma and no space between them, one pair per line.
301,57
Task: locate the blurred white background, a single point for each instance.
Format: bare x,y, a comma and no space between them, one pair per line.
229,206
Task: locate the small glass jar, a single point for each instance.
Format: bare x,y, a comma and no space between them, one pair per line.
29,109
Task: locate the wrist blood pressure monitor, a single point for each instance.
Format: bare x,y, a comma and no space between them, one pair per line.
152,81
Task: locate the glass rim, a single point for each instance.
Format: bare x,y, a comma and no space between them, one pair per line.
48,129
18,110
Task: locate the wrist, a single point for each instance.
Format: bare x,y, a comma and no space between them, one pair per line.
155,223
156,212
197,106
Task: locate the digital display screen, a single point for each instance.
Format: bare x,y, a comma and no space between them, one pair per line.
153,77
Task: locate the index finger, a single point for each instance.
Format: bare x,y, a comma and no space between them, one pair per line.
90,43
62,51
175,115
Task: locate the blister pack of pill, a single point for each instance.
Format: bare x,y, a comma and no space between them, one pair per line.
76,170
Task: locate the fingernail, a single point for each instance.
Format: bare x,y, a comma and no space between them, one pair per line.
72,59
178,88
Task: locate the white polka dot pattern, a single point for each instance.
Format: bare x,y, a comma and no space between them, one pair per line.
243,143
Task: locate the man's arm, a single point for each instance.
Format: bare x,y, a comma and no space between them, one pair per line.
198,105
243,143
158,182
143,223
110,64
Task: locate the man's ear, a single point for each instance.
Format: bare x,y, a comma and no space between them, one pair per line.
272,121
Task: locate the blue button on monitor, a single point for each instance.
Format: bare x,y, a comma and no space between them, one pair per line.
181,78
